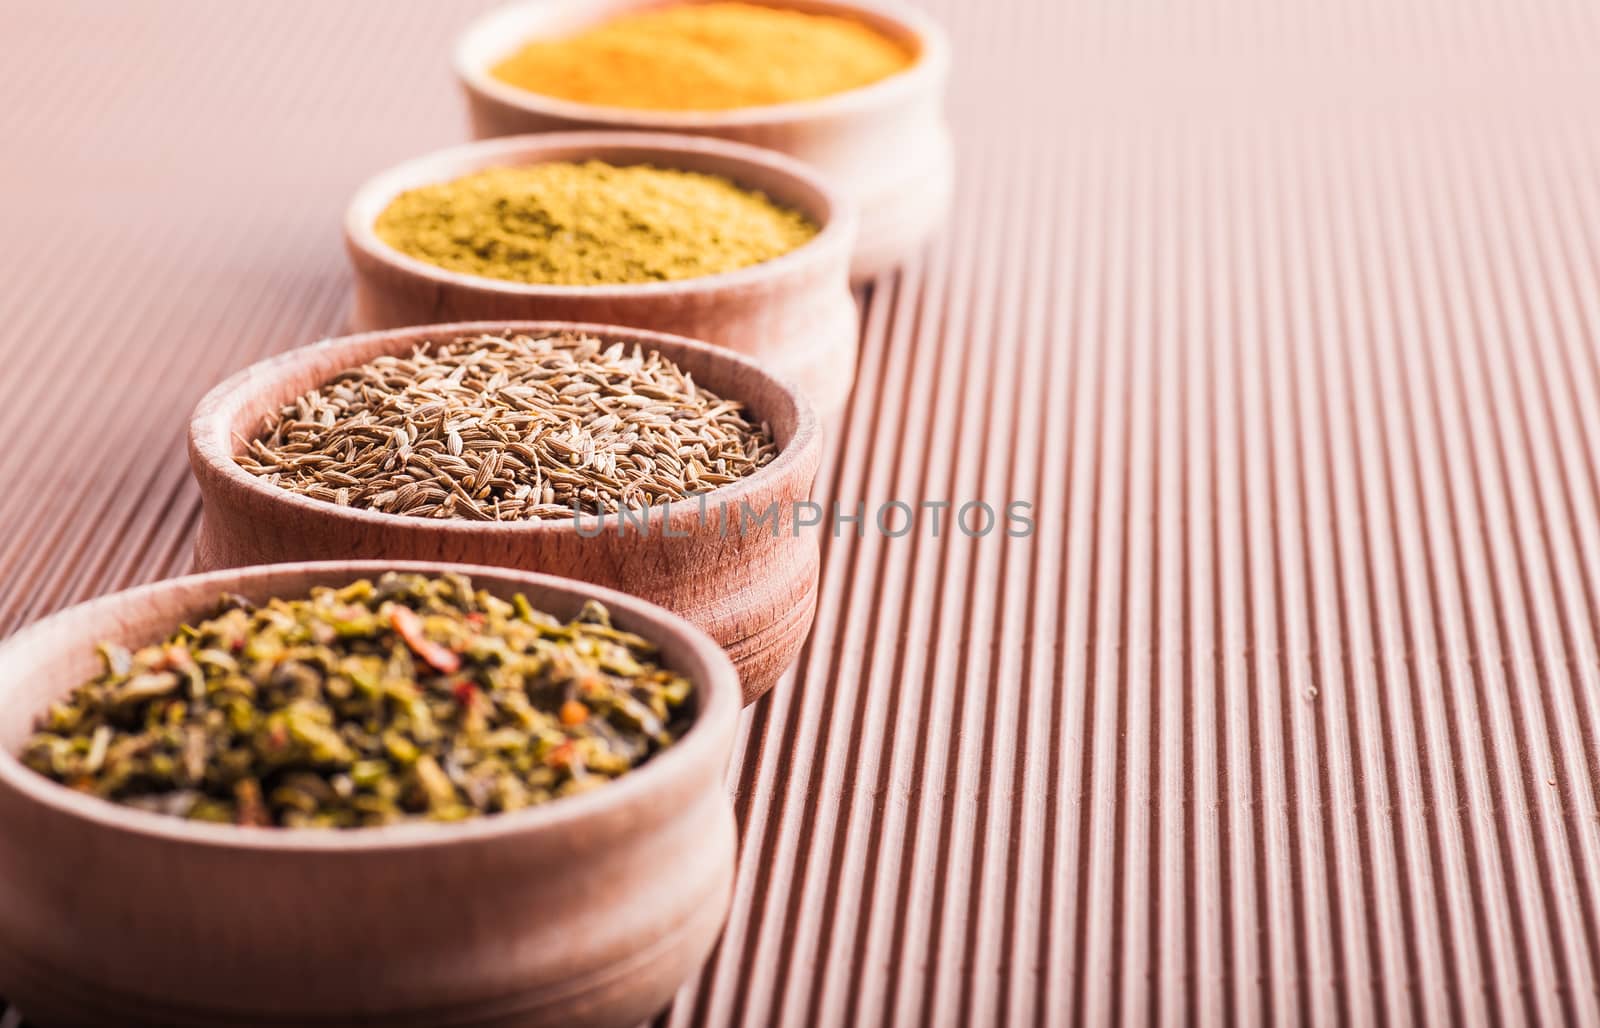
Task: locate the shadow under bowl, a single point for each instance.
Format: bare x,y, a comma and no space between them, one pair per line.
589,910
737,565
795,314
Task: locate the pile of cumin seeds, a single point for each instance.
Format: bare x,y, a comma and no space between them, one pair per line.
494,428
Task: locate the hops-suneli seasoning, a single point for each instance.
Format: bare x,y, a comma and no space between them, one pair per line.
412,698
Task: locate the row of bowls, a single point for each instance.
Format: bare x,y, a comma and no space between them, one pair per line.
591,910
588,911
873,168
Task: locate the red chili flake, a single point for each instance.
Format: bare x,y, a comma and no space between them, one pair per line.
237,645
278,736
466,693
561,756
409,626
172,657
476,620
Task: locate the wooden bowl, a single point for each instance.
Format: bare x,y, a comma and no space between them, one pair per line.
754,591
887,145
794,314
590,910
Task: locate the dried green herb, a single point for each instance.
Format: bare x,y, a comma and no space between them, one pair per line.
412,698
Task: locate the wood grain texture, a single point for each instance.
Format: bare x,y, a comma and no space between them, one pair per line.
794,313
589,911
738,565
903,200
1286,316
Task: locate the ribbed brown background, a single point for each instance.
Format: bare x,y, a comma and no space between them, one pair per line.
1282,313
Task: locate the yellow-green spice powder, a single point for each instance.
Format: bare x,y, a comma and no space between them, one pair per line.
590,223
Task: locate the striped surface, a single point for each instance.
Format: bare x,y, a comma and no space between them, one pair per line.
1282,314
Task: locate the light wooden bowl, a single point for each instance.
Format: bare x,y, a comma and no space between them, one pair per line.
754,592
886,144
794,314
590,910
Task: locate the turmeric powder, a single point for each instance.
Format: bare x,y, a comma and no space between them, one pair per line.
706,57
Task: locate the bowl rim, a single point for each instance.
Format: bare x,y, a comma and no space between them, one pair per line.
930,69
716,718
836,218
211,440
